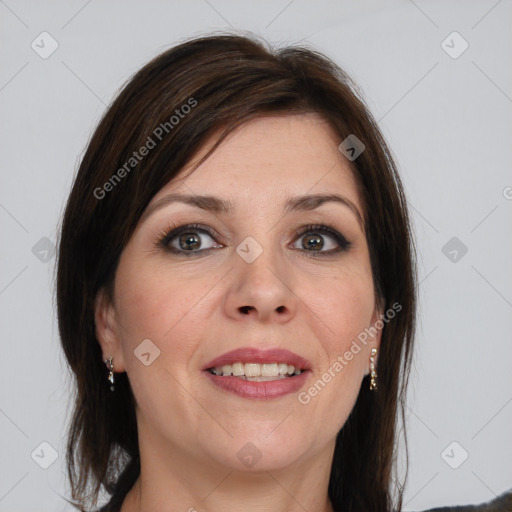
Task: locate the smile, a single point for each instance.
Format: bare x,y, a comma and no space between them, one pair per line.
256,372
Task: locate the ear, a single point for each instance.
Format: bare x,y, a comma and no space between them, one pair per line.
107,331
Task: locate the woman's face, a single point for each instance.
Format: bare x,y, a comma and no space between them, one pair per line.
253,277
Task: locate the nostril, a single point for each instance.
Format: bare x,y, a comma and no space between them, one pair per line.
245,309
280,309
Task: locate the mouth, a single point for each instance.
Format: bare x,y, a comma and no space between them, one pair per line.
255,362
257,372
254,373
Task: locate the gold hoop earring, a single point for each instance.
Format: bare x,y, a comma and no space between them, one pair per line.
110,367
373,373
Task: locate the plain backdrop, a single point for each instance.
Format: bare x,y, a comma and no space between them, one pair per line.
443,101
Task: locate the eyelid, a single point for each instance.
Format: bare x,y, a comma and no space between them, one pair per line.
175,229
325,229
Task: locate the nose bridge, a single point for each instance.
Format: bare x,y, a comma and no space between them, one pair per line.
261,284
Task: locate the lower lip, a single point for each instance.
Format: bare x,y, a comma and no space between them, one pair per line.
259,390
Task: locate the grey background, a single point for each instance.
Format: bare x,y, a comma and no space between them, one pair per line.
448,121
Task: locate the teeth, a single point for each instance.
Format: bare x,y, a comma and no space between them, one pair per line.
261,379
256,371
269,370
238,369
252,370
283,368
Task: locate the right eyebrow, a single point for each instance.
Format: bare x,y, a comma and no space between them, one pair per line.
209,203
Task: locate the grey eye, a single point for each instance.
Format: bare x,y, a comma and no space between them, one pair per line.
314,242
191,241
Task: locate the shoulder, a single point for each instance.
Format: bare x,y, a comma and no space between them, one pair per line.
502,503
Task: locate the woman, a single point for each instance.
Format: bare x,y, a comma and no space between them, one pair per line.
236,290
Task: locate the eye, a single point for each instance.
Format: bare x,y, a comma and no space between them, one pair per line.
321,239
195,239
188,239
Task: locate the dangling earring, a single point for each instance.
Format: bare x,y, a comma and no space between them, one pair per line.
373,373
110,367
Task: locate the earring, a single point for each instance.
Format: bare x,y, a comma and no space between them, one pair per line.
373,373
110,367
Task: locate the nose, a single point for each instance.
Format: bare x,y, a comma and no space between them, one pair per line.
262,290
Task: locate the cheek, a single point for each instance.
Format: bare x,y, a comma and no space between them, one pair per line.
346,308
147,303
346,305
164,307
167,311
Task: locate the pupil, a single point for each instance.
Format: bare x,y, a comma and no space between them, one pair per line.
314,242
189,241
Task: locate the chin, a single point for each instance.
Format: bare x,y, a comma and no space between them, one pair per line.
257,453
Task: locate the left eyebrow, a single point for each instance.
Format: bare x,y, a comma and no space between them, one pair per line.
301,203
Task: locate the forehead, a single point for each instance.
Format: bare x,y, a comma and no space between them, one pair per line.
271,156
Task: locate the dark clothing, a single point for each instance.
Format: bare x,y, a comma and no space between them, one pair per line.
501,504
124,484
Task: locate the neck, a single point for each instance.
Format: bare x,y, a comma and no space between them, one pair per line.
172,479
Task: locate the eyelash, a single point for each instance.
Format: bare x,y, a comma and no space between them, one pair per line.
166,236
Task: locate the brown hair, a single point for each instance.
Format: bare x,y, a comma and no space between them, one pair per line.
226,79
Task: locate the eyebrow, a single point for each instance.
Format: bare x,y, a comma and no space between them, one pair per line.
219,206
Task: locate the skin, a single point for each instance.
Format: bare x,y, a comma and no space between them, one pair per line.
190,431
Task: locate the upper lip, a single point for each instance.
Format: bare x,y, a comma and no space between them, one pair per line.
256,355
